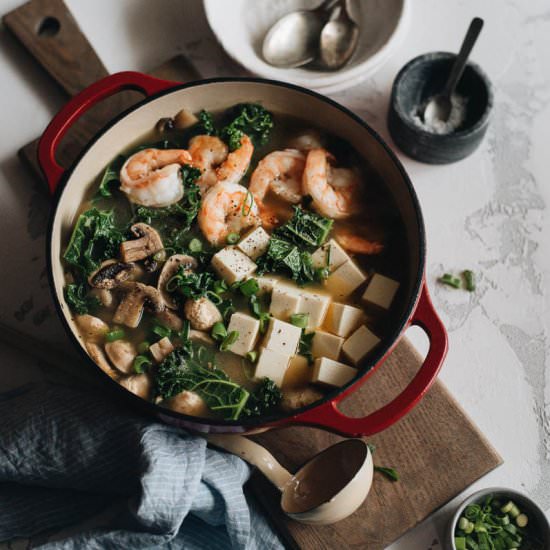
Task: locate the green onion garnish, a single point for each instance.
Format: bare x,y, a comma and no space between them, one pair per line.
143,346
299,320
390,473
229,340
141,362
195,245
469,280
115,334
233,238
249,287
161,331
218,332
252,356
450,280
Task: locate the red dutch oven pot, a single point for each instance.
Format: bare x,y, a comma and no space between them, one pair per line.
164,98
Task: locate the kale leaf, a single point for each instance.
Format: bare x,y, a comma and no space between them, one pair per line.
305,228
263,400
206,124
174,222
78,299
110,175
247,118
95,238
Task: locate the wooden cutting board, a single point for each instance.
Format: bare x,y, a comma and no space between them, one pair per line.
437,449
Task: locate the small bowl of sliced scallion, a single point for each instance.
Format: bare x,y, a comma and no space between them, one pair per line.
499,519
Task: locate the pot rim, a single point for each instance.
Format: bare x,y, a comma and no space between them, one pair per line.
261,421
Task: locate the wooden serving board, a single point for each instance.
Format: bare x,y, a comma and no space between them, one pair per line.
437,449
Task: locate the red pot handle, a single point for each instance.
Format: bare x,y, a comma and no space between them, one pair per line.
82,102
329,417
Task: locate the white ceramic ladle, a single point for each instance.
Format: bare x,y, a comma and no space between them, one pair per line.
327,489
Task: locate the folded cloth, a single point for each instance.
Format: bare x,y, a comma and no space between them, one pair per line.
66,453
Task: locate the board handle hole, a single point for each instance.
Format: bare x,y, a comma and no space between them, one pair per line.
48,27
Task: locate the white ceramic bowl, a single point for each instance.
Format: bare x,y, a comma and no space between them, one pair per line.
240,26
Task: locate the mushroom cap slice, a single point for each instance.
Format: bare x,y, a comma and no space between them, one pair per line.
188,402
110,274
202,313
170,320
169,270
148,242
95,351
136,297
139,384
92,328
122,354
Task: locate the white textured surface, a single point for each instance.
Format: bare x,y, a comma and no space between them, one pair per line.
487,212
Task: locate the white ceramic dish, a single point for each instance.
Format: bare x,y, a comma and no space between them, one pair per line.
240,26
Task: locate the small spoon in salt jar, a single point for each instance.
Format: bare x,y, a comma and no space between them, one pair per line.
327,489
439,107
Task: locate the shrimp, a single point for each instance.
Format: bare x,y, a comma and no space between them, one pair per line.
281,172
208,153
352,242
151,177
226,208
335,191
233,169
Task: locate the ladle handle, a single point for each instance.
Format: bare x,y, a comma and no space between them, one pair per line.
253,454
462,58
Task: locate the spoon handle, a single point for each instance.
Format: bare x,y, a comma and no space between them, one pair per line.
253,454
458,67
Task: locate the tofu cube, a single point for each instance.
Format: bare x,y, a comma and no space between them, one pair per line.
282,337
267,283
326,345
161,349
359,344
298,372
248,328
232,265
380,291
344,280
316,306
337,257
331,373
254,243
271,364
285,300
342,319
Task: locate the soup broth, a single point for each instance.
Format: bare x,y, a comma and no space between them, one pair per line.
236,274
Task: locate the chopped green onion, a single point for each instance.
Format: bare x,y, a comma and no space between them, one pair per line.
140,363
159,256
229,340
460,543
233,238
390,473
213,297
522,520
469,280
195,245
507,508
450,280
218,332
184,332
115,334
143,346
162,331
220,286
252,356
299,320
249,287
463,523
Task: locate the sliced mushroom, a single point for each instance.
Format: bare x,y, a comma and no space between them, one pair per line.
95,351
105,297
170,320
136,296
110,274
122,354
201,337
161,349
148,242
202,313
299,397
170,268
92,328
184,119
188,402
140,384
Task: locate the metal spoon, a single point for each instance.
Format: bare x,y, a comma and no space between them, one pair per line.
339,39
439,107
294,39
327,489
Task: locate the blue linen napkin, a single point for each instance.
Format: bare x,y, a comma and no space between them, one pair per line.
67,453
